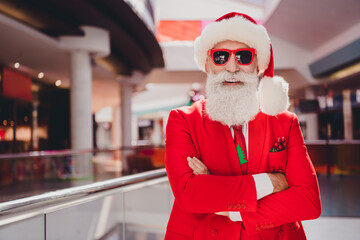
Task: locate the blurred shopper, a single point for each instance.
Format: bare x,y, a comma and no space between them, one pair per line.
236,162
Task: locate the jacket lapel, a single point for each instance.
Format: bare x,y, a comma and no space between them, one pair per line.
259,143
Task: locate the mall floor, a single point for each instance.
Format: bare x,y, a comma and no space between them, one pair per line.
340,217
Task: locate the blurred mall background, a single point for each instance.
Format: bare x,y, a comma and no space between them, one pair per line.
86,88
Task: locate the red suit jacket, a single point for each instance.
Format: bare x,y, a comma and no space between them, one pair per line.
190,132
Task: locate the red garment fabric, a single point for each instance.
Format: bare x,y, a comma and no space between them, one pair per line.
190,132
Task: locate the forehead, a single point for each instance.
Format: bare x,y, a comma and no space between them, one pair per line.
229,44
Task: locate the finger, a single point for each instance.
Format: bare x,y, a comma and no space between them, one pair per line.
222,213
195,162
199,164
191,165
195,166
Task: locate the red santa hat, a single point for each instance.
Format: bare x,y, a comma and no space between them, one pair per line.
239,27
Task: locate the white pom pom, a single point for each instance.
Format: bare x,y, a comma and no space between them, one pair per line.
274,97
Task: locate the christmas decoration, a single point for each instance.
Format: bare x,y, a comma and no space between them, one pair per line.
279,145
241,155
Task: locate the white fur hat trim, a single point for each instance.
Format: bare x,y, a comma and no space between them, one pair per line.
274,97
236,29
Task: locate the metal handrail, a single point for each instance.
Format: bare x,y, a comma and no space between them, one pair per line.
58,153
65,152
332,141
15,206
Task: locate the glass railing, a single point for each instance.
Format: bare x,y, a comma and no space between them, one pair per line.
136,206
28,174
335,157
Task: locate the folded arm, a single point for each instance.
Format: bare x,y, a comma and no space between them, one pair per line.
202,193
301,201
265,183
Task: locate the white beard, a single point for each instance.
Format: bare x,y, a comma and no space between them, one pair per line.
232,105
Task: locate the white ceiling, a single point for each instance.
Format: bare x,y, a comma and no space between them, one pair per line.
309,23
206,9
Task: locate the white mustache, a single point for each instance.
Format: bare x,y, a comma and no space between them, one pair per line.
233,77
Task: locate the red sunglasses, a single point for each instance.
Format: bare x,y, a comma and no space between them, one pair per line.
244,56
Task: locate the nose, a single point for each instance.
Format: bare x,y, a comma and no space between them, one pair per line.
232,65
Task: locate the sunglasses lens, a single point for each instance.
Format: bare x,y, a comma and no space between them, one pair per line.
220,57
244,57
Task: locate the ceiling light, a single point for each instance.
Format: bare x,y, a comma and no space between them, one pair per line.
41,75
58,83
16,65
345,72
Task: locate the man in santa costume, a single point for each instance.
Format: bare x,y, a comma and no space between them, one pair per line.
237,162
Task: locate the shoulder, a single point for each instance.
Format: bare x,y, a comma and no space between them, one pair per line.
284,120
194,111
284,116
185,118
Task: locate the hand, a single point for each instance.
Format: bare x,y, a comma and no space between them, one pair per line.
278,181
198,166
226,214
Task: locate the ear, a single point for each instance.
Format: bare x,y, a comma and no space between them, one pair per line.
207,66
257,65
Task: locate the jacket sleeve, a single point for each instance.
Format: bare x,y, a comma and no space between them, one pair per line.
201,193
301,201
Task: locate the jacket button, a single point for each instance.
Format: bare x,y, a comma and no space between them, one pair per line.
243,206
214,232
281,233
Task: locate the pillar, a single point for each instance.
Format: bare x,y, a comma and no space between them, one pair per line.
347,114
312,130
116,127
80,100
94,43
134,129
116,134
126,93
156,137
127,86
